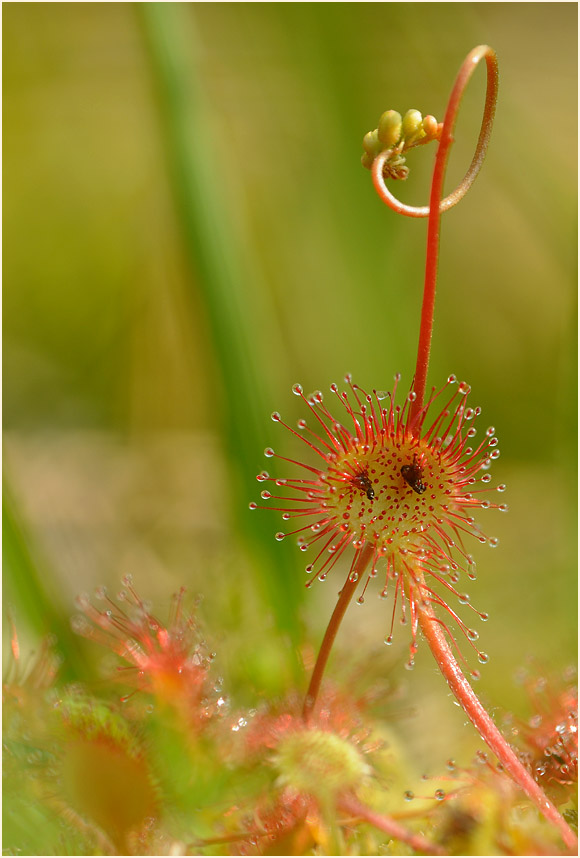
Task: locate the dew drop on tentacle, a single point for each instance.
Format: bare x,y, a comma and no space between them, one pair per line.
79,624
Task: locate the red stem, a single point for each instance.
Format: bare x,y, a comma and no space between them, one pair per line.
389,826
478,716
346,595
430,626
463,76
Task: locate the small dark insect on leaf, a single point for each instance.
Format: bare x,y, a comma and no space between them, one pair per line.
362,482
413,475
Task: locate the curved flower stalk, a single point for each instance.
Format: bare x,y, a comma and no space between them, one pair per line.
384,146
396,486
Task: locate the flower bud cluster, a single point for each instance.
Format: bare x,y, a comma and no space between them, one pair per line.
398,134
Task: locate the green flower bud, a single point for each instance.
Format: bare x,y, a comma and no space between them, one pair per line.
367,161
371,143
412,126
389,130
430,127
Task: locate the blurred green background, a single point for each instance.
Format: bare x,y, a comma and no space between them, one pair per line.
188,231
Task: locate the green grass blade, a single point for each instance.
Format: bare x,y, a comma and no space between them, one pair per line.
24,590
219,272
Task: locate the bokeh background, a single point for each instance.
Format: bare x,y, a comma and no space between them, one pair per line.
188,231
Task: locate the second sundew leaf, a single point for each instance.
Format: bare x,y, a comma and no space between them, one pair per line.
106,777
218,268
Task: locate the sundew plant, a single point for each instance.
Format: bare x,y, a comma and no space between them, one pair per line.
391,493
398,484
